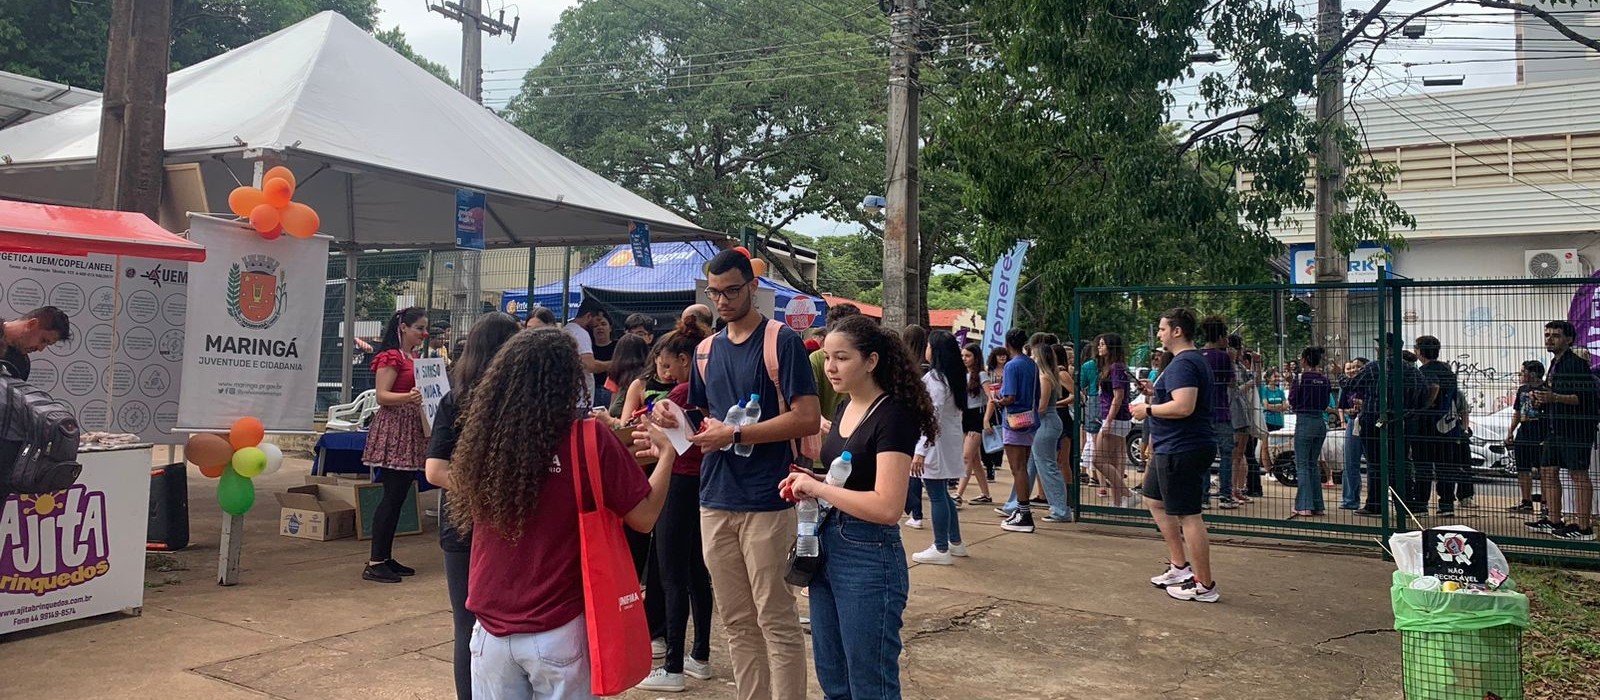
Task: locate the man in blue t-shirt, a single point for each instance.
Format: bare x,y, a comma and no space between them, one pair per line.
1019,400
747,528
1179,420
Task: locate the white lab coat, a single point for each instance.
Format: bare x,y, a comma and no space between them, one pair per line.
942,457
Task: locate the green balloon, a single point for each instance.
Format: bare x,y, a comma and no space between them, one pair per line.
235,493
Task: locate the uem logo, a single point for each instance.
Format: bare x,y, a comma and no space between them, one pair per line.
158,274
50,541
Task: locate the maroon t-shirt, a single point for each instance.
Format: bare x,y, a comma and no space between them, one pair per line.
536,584
688,463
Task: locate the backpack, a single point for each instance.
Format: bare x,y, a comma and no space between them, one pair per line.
809,447
38,440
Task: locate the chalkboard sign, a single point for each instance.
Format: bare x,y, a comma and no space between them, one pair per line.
367,498
1456,555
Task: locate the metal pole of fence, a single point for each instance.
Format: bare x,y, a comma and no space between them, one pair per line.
433,265
1394,477
347,363
1074,493
533,276
566,283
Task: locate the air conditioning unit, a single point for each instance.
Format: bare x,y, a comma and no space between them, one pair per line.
1552,263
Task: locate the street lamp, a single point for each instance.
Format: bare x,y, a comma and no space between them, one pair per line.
874,204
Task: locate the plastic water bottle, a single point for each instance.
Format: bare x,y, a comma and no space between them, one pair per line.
808,513
734,418
838,472
752,415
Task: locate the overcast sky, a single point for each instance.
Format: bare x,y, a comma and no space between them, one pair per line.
1482,38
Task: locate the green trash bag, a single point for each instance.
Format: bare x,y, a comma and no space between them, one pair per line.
1459,646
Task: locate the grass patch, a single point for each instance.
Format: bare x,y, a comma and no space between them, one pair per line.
1561,652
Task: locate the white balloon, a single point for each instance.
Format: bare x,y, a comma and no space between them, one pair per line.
274,457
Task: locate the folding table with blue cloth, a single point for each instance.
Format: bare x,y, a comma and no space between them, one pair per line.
340,453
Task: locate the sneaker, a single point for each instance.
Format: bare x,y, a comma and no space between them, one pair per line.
1574,533
914,523
400,569
1002,512
959,502
1523,507
1447,512
661,681
1132,501
658,648
958,550
1038,502
1018,522
1206,504
1467,503
1226,503
932,555
1368,512
700,670
1541,525
380,573
1172,576
1053,518
981,501
1193,590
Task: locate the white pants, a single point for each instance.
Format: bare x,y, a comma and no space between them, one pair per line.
553,664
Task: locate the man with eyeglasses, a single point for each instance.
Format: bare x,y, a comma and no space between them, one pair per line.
748,529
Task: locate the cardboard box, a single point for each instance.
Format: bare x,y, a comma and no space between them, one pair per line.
364,496
308,513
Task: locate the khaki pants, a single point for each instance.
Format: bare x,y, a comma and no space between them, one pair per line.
747,554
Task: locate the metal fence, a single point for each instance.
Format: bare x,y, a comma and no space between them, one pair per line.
1420,476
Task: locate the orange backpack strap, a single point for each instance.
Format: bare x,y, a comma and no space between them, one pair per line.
702,357
769,352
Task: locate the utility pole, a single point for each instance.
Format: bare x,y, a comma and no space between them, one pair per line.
133,113
1330,316
901,261
468,280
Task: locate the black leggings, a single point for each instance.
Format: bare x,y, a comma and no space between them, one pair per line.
684,577
396,486
644,565
456,566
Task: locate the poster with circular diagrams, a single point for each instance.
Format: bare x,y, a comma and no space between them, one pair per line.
119,368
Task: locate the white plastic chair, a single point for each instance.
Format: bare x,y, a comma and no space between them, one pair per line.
353,416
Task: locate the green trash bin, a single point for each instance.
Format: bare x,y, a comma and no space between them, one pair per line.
1459,646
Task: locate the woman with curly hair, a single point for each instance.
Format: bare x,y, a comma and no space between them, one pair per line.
512,490
858,598
483,341
396,446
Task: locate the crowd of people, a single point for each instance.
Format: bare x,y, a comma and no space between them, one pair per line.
918,417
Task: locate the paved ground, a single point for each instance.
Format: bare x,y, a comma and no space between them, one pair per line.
1064,613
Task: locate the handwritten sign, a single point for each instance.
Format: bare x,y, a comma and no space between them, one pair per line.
434,382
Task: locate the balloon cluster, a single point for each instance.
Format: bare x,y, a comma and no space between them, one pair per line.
269,209
756,264
235,458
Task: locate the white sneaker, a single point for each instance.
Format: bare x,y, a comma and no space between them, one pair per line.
1172,577
1132,501
658,648
914,523
696,669
661,681
958,550
1193,590
932,555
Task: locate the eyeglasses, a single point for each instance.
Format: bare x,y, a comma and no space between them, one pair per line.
729,293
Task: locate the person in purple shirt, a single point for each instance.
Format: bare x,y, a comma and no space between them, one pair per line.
1308,398
1111,443
1214,330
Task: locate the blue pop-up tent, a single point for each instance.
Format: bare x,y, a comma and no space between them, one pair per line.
678,266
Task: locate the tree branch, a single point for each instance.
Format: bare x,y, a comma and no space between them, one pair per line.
1545,15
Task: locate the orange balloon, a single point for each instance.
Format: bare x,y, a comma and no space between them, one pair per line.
247,432
280,172
206,450
213,472
272,235
264,218
759,266
243,200
278,191
301,221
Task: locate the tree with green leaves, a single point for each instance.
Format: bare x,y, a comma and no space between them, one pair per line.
65,41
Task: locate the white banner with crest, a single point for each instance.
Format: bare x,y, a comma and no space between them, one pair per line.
255,328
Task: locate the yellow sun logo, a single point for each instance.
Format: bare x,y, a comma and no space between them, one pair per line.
41,504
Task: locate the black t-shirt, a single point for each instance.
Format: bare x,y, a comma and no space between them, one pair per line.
441,446
891,427
18,363
603,353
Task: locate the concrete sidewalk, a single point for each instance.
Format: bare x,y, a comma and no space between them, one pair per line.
1063,613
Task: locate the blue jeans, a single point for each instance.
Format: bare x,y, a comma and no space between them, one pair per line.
942,509
1310,430
1042,464
914,498
553,664
1351,495
858,604
1223,431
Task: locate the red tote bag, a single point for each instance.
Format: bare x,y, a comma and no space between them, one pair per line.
613,605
